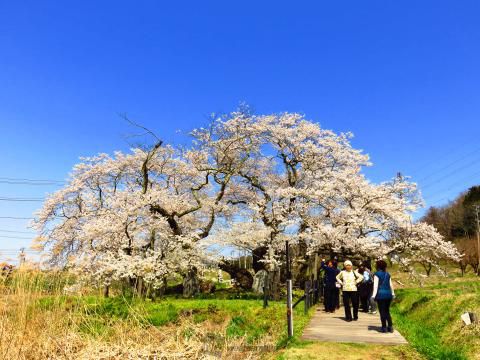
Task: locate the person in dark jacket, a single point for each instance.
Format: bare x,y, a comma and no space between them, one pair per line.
364,290
368,277
383,294
329,285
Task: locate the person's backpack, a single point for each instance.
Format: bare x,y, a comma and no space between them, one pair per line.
370,279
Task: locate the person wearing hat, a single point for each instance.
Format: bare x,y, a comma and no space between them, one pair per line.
349,279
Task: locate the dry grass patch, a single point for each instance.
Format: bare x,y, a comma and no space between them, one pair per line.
38,321
340,351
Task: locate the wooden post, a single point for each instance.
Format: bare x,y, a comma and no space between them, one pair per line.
289,293
265,296
305,302
289,308
307,296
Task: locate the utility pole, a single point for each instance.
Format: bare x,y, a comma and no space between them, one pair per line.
289,292
477,210
21,257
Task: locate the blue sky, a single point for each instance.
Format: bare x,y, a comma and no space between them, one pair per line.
401,75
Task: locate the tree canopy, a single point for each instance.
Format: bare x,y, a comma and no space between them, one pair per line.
248,181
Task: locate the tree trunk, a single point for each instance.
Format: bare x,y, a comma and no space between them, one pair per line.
475,268
428,268
191,283
274,281
106,291
257,255
161,291
140,288
300,272
153,293
243,277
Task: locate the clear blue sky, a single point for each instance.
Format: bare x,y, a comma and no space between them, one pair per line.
403,76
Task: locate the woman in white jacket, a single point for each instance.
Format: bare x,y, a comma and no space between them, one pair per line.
349,279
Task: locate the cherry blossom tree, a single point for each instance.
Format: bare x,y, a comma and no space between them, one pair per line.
305,184
246,181
137,216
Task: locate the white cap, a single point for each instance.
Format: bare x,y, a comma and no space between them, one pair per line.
348,262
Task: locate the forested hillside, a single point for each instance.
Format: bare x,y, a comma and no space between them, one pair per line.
458,222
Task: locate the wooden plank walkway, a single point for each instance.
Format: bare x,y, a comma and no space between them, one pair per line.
333,328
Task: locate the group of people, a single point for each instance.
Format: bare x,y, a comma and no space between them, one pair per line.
360,288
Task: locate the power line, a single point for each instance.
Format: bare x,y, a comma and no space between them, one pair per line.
32,180
13,252
451,173
440,155
456,161
16,199
15,237
29,183
438,201
452,185
442,199
16,218
19,249
18,232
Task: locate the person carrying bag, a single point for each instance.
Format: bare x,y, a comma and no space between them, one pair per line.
349,279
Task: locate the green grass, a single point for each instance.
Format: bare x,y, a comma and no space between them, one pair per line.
430,318
300,320
241,317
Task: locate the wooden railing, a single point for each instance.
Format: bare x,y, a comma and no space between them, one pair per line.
313,293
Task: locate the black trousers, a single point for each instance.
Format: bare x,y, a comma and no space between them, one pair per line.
350,296
365,291
364,303
384,310
329,297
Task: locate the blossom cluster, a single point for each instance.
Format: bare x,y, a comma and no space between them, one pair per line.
246,181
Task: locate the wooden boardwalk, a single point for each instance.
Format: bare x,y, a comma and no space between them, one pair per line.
333,328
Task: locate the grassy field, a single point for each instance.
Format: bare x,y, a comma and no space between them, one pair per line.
38,320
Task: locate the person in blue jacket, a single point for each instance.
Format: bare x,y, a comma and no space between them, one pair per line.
329,285
383,294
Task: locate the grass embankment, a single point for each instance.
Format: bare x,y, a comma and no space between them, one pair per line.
38,321
430,319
